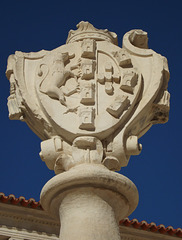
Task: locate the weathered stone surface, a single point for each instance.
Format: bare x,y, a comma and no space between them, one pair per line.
90,101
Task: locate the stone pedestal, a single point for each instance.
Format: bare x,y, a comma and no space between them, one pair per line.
90,200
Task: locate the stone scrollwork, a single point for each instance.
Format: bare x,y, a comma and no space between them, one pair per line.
60,157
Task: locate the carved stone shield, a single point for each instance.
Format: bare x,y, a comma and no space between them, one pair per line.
91,87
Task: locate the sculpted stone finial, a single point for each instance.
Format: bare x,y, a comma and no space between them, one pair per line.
90,101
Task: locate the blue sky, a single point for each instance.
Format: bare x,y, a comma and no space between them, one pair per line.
34,25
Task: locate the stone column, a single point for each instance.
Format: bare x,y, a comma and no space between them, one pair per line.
90,200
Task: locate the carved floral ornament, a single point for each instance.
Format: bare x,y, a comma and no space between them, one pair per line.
90,100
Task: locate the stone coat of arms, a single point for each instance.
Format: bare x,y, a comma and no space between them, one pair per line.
90,100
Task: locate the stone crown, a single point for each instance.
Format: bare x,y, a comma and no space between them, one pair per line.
87,30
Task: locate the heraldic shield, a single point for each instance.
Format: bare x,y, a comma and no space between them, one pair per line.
90,95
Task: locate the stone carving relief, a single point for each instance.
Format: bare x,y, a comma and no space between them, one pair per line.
90,100
14,100
53,75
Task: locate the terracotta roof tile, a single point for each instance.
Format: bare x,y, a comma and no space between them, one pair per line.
21,201
151,227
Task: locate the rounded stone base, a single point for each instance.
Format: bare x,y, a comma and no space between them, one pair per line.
89,198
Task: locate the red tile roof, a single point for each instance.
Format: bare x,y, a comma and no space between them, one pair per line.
143,225
21,201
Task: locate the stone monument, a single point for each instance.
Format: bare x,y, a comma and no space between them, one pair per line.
90,101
